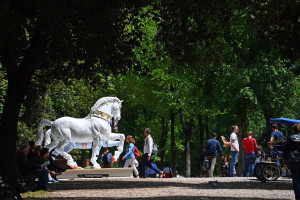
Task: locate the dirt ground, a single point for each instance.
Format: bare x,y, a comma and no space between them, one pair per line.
169,189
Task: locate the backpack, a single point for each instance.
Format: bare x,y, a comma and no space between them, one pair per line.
154,148
104,160
136,152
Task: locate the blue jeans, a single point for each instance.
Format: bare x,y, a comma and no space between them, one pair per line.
43,179
295,169
250,160
234,156
147,163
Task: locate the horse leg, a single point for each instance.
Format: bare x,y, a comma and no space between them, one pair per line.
53,144
68,157
118,136
96,143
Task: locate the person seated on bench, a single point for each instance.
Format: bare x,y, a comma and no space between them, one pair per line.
276,138
27,169
54,167
41,162
31,153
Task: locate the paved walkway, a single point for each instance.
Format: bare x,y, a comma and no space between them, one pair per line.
170,189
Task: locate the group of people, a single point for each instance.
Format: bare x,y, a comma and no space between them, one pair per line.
291,152
148,168
213,148
32,159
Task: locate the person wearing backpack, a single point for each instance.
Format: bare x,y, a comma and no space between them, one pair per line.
130,156
106,159
291,154
148,148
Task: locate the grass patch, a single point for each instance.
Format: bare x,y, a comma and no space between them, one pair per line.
35,194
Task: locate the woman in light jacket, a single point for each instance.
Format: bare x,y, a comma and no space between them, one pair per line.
129,156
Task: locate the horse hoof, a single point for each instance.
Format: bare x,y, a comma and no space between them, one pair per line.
72,166
97,167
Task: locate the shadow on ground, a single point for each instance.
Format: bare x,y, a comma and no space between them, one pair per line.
119,184
158,198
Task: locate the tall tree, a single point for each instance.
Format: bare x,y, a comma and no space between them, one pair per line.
63,38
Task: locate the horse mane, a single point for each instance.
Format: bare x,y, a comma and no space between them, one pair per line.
103,101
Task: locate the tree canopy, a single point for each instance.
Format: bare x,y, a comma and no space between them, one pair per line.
185,69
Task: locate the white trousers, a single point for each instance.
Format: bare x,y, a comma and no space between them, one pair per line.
133,164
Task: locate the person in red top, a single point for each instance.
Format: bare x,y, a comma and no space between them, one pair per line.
249,145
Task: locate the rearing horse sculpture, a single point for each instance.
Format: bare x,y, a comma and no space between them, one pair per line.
93,128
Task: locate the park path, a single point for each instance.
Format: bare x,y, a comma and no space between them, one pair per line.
170,189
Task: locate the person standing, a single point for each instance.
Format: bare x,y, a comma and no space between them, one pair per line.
291,153
146,162
249,144
203,170
234,143
129,156
212,148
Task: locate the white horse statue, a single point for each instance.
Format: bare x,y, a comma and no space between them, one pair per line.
93,128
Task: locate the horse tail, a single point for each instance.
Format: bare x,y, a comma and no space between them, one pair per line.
40,133
47,137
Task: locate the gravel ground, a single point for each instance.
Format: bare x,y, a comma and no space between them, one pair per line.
170,189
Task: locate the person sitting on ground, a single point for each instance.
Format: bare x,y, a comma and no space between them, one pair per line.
106,159
129,156
26,168
167,172
225,168
150,172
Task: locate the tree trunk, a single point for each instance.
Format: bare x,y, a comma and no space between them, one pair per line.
241,122
18,84
173,144
19,78
208,135
187,133
163,141
201,130
268,130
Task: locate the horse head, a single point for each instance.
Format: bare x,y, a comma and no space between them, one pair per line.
116,110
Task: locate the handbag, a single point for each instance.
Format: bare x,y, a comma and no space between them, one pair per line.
206,164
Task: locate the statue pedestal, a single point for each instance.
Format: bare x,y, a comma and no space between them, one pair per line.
112,172
62,163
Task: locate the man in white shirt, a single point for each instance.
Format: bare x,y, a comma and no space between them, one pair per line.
234,143
148,145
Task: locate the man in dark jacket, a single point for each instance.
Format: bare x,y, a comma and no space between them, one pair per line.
40,164
292,155
26,168
212,148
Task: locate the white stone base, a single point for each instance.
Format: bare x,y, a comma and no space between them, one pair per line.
112,172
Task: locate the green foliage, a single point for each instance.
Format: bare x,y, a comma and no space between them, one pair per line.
210,59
